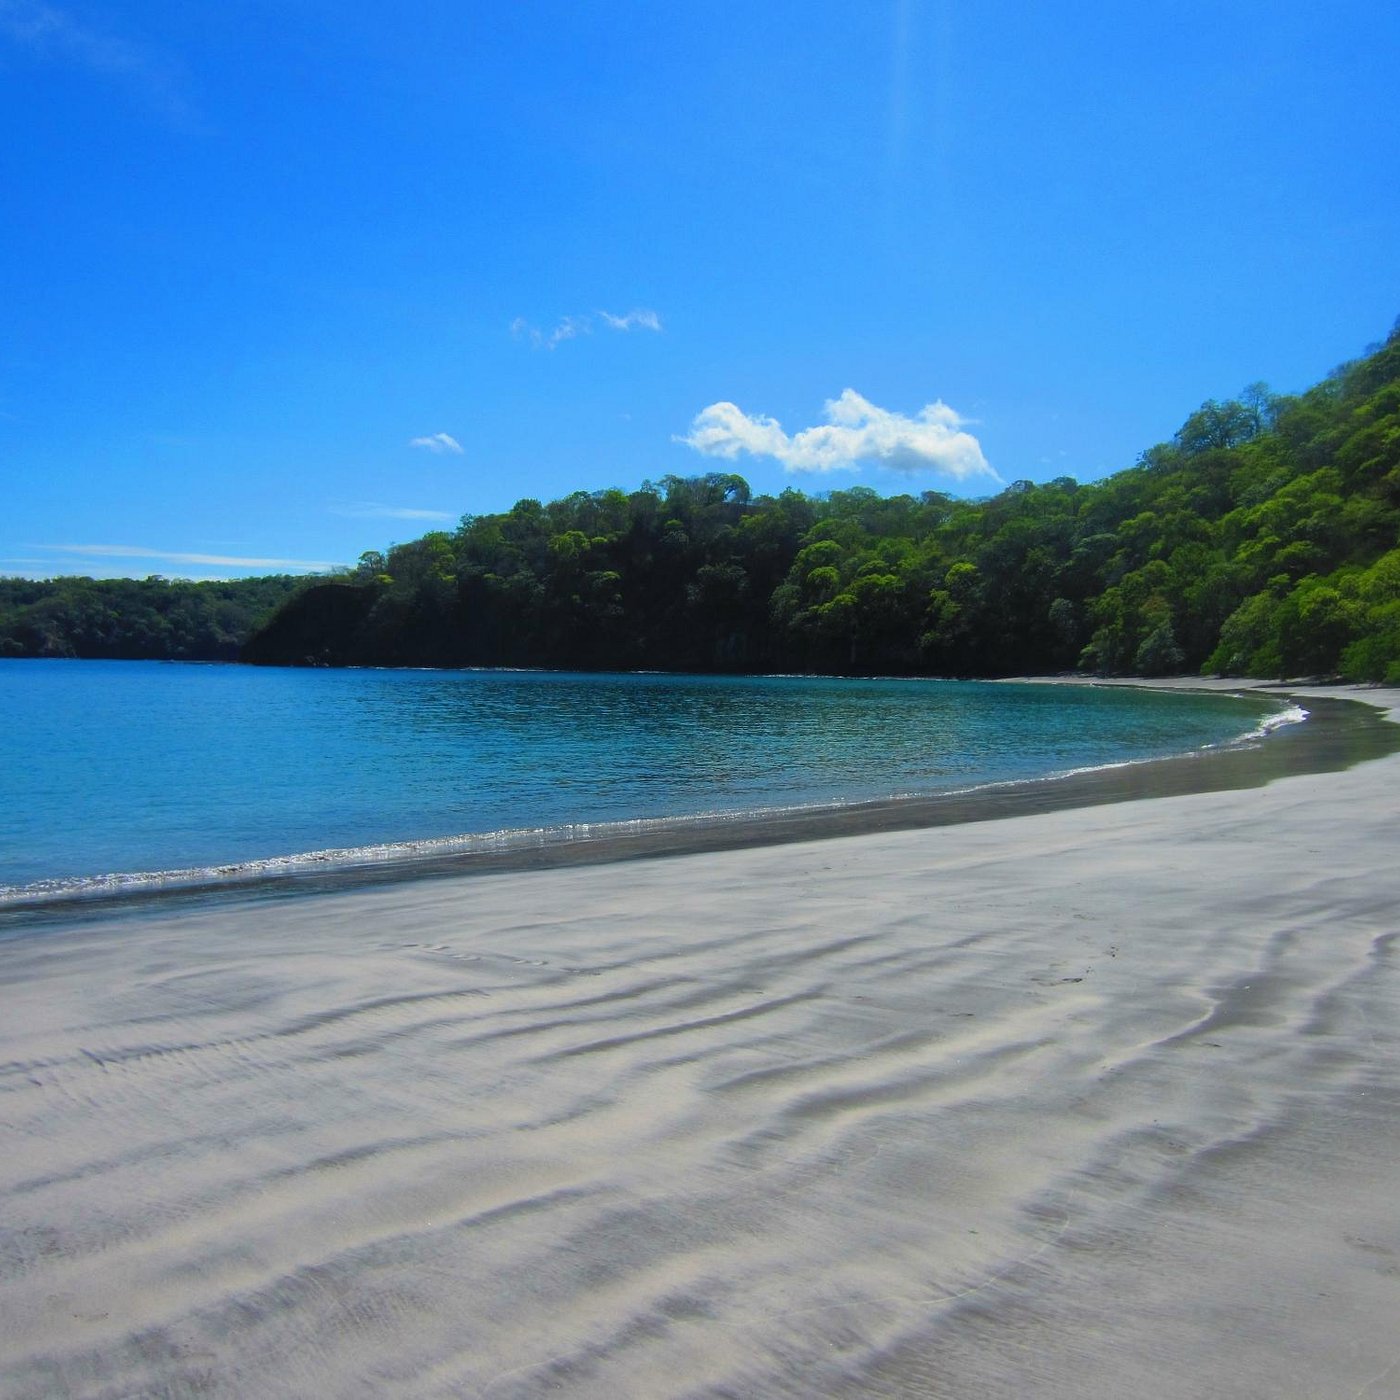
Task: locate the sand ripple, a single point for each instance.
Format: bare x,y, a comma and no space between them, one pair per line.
1074,1105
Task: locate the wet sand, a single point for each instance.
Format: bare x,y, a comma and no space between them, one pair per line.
1084,1103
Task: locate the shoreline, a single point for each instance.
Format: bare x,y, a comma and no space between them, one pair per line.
1065,1105
1334,737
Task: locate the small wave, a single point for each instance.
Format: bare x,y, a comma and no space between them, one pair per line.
508,840
1294,714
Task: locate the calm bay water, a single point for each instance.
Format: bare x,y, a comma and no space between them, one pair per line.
146,766
135,766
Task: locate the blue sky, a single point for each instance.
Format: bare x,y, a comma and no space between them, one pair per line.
283,282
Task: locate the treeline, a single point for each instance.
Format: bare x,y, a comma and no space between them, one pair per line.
1262,540
137,619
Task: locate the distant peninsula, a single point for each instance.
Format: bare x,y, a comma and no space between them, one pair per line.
1263,540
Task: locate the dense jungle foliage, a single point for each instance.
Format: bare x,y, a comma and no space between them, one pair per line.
1263,540
150,619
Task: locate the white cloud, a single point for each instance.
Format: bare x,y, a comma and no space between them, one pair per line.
127,551
571,327
567,329
437,442
372,510
639,316
856,431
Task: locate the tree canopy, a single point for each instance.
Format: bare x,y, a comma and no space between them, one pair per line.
151,619
1263,540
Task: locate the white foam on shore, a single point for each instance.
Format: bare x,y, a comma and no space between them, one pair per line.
1293,714
121,883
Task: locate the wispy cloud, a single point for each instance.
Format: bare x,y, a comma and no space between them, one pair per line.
571,327
438,442
372,510
54,34
856,431
170,556
639,318
567,329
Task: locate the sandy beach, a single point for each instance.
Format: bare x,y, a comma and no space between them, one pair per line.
1089,1103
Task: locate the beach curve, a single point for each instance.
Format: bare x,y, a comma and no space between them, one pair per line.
1055,1104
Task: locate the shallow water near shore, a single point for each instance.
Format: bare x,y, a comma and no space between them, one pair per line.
166,775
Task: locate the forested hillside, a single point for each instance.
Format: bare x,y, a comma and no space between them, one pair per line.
136,619
1262,540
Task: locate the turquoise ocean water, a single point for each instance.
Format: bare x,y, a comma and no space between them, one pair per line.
147,767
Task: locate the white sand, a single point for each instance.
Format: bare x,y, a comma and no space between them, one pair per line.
1098,1103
